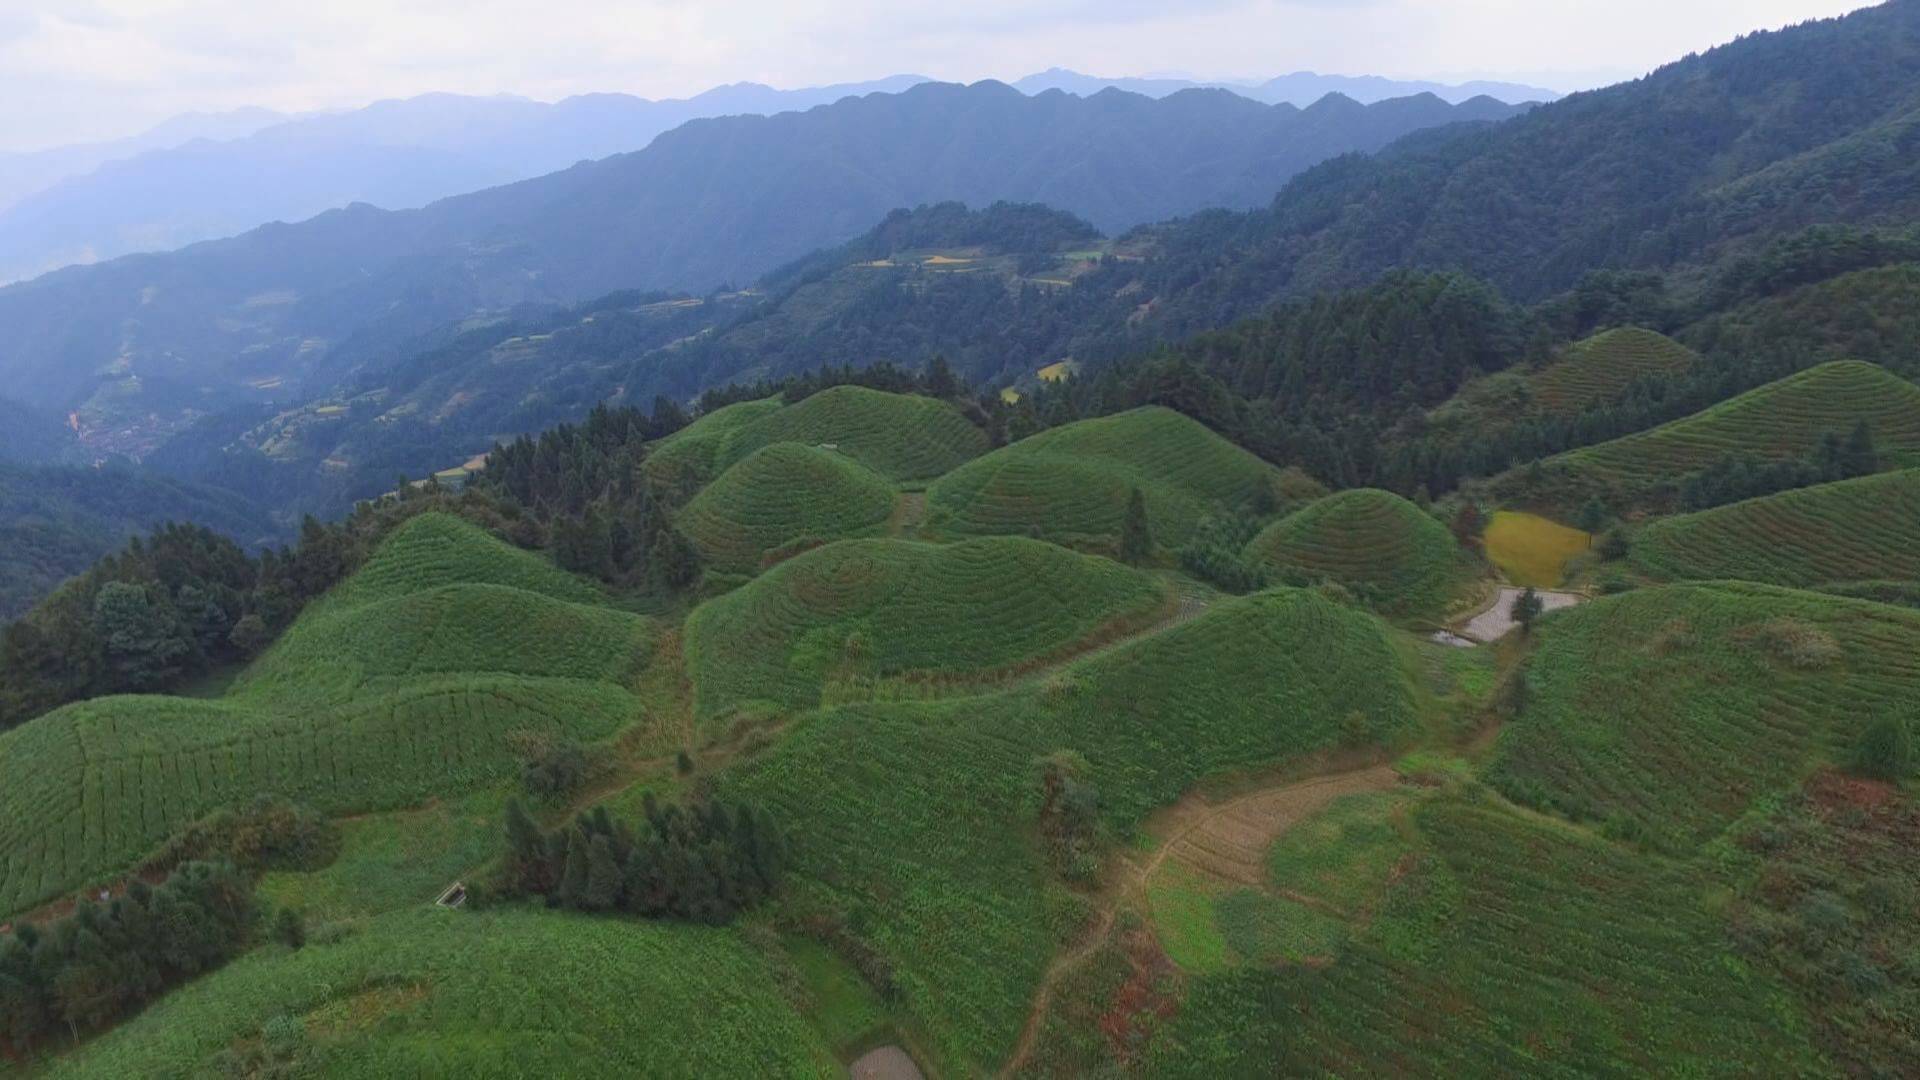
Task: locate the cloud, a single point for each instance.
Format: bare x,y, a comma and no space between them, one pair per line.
96,68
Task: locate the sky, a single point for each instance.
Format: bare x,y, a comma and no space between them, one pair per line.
78,70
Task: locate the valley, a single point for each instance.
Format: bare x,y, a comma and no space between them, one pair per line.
963,582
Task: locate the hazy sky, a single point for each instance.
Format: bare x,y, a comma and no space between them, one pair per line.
82,69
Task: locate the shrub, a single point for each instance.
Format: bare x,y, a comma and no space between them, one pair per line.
1886,750
554,767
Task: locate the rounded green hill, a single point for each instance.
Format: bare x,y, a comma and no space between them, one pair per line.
1071,484
1866,529
895,609
899,436
1373,541
780,495
1601,367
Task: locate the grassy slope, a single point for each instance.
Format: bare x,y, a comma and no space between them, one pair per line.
780,494
1504,947
1070,484
1600,368
1781,420
900,436
1375,541
428,992
922,610
379,696
687,459
910,814
1671,711
1858,530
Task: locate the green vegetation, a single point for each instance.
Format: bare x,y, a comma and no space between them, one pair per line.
1602,367
905,817
435,992
779,496
1532,550
864,612
1866,529
1667,713
1072,484
1781,421
378,697
899,436
688,459
1508,946
1374,542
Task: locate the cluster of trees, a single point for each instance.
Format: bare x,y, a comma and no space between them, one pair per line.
93,966
605,515
1736,477
1069,816
176,604
704,861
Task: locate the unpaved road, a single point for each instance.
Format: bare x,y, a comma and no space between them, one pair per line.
1497,621
1229,839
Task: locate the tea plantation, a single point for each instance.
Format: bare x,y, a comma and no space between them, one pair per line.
1373,541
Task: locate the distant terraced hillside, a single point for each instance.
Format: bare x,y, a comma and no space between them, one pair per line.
1669,712
1780,421
412,680
780,495
894,609
1071,484
1866,529
1602,367
1376,542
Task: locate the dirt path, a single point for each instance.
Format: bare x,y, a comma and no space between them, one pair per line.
1227,839
1497,622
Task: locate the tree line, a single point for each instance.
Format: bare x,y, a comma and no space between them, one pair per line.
87,969
704,861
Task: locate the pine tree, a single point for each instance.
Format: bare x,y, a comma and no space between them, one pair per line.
940,381
289,928
1526,608
1136,535
573,879
1858,455
605,875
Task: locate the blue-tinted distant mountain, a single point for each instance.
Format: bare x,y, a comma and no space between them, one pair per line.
392,154
287,307
1301,88
24,172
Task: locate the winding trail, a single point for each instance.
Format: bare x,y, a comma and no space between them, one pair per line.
1227,839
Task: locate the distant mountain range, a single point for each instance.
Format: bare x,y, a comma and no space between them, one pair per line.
1301,88
721,200
203,177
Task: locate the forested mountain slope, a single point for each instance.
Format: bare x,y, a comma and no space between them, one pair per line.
711,202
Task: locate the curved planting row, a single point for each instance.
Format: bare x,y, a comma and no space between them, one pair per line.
899,436
780,495
1071,484
1603,366
88,790
1779,421
1373,541
886,609
912,816
1866,529
1669,711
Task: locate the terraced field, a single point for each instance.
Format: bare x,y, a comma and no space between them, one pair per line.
379,696
1071,484
516,992
1866,529
899,436
1781,420
1666,713
1373,541
687,459
1504,947
870,611
900,811
779,496
1601,368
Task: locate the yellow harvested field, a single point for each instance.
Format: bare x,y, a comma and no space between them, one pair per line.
330,410
1532,550
943,260
1058,371
1010,396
